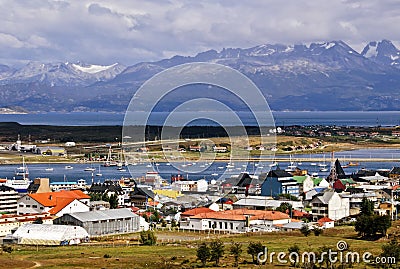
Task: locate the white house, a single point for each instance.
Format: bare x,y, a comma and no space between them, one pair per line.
55,203
235,221
330,204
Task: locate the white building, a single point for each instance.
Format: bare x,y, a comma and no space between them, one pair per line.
55,203
190,185
330,204
50,235
8,199
235,221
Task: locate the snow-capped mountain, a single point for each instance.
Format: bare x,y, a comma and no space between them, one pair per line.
382,52
62,74
317,76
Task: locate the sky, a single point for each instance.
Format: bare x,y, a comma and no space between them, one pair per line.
132,31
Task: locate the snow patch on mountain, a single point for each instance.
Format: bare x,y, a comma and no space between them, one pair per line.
92,69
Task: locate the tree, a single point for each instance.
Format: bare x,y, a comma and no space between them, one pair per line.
294,249
253,249
366,207
148,238
113,200
371,225
305,230
173,223
203,253
285,208
38,221
236,250
318,231
216,251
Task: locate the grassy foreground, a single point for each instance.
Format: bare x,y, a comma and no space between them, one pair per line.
173,251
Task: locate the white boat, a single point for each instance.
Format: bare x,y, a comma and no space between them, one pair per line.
315,174
89,169
21,181
99,174
214,174
68,167
323,169
313,164
49,169
273,164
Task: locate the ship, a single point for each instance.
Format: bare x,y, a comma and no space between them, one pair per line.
20,182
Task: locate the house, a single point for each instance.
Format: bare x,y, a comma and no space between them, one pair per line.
70,144
200,185
326,223
330,204
8,200
264,203
140,196
279,182
103,222
10,222
109,188
195,148
305,183
55,203
195,211
236,221
51,151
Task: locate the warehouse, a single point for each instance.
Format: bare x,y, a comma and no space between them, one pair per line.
48,235
103,222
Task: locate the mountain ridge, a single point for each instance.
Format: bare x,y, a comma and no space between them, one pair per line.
319,76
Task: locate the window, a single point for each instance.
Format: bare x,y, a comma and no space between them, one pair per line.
34,206
226,225
21,205
231,225
28,205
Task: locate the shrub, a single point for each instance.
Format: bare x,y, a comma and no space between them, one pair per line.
148,238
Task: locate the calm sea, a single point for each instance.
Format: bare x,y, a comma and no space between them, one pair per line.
338,118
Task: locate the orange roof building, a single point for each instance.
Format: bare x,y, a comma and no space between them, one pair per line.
236,221
55,203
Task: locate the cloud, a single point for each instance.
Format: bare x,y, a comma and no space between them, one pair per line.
130,31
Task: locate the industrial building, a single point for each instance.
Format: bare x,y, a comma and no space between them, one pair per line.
103,222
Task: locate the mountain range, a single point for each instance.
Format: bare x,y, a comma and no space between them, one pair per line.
318,76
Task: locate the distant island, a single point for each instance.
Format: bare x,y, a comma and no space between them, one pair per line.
12,110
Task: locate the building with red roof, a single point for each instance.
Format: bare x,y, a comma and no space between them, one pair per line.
55,203
326,223
235,221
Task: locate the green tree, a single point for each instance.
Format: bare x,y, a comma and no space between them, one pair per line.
216,251
305,230
372,225
285,208
253,249
38,221
367,207
173,223
382,224
148,238
318,231
235,250
113,200
294,249
203,253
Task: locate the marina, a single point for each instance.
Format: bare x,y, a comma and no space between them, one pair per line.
210,170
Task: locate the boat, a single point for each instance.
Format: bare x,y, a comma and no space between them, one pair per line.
273,164
20,182
315,174
313,164
68,167
89,169
49,169
353,164
214,174
99,174
323,169
22,170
